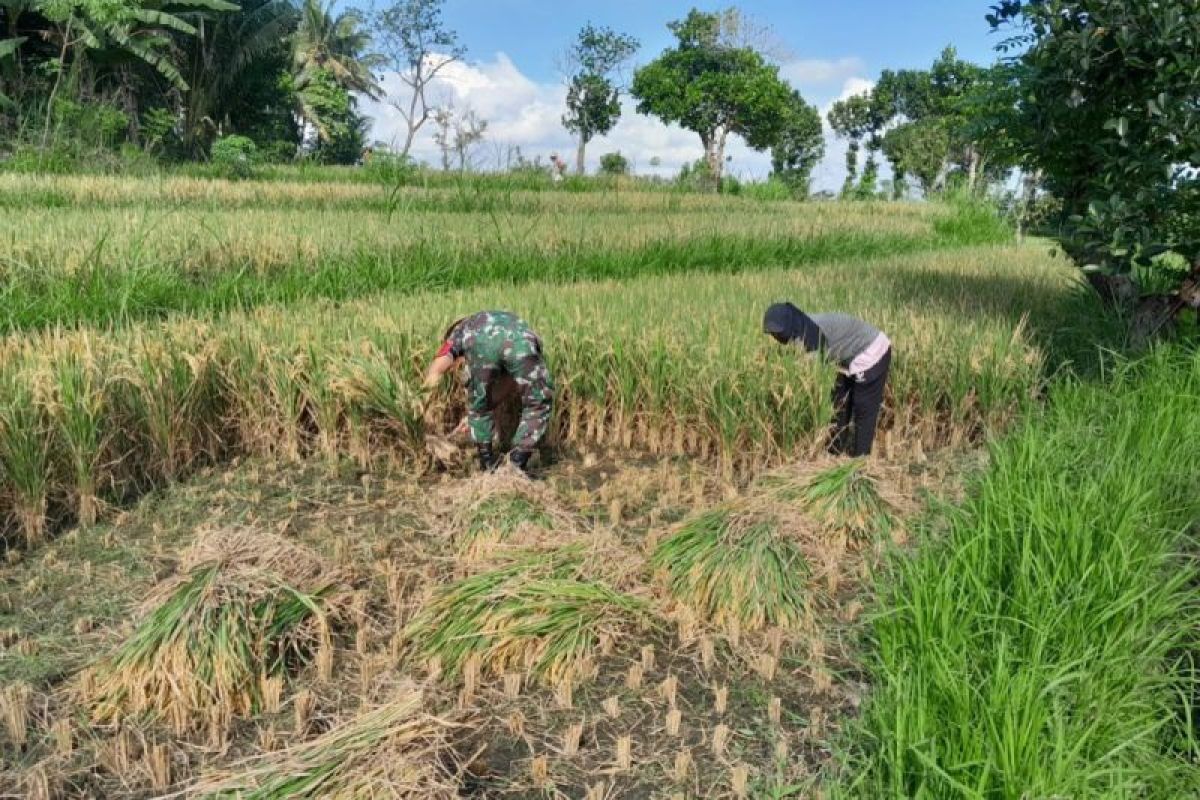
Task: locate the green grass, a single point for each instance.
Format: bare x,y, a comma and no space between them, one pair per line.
1038,646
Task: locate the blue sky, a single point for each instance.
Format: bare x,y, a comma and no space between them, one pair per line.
834,48
892,33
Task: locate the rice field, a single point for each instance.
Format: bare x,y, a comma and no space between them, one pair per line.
96,416
563,660
233,568
78,250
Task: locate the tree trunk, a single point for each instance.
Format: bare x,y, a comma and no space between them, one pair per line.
581,156
1029,186
1116,290
939,180
62,67
715,156
972,168
1153,319
411,122
408,141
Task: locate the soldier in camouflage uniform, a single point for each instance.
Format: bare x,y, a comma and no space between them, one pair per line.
491,344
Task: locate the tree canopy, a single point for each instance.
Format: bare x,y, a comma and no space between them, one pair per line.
1107,109
714,87
593,96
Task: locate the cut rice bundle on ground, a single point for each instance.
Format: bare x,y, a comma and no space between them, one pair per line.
537,614
246,607
737,567
846,497
505,511
395,752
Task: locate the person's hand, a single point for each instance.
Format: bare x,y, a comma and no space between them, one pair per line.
461,430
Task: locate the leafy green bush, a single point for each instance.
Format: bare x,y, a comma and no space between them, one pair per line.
235,156
614,164
279,151
94,125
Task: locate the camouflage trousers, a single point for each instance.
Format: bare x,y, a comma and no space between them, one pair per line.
487,390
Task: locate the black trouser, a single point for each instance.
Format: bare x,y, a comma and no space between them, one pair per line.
858,401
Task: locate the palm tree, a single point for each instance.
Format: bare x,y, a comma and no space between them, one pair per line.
335,44
327,48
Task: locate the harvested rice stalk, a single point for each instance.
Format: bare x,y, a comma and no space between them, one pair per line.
246,607
734,566
393,751
505,509
536,614
495,519
846,498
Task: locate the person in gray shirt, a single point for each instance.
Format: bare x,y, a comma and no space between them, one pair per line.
863,357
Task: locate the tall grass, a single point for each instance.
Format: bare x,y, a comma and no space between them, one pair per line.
1038,646
669,365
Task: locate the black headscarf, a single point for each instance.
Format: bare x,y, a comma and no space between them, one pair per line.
789,324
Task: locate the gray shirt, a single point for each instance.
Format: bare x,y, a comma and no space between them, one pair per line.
845,336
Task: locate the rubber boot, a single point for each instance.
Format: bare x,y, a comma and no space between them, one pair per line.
487,458
520,458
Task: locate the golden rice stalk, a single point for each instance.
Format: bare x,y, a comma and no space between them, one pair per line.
25,456
393,751
740,780
683,765
246,608
14,708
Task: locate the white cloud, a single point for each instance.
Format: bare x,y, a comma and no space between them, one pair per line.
812,72
855,86
525,113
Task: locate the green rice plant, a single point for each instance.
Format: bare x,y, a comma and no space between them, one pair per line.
393,751
735,567
81,415
247,607
378,398
26,440
536,614
1040,641
846,498
323,404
